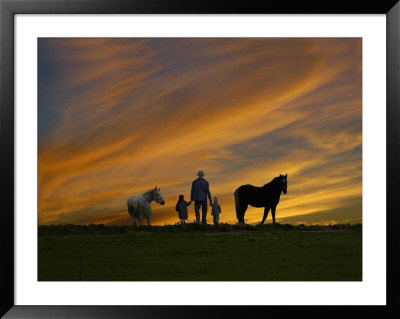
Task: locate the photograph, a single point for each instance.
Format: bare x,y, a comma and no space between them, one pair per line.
175,159
199,159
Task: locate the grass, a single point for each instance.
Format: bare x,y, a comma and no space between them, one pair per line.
200,253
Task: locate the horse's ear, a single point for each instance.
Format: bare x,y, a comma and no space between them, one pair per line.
155,188
286,175
159,188
280,175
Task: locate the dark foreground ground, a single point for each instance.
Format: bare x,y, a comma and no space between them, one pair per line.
197,252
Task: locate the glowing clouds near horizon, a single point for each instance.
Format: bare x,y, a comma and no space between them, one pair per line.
120,116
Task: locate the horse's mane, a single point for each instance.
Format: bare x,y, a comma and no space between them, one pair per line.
149,193
273,182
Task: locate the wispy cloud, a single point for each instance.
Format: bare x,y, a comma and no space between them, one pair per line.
119,116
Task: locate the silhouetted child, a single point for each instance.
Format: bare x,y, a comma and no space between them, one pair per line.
216,210
181,208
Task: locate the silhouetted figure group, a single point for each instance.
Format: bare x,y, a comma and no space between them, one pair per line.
267,196
199,194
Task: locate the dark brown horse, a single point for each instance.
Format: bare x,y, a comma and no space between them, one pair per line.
267,196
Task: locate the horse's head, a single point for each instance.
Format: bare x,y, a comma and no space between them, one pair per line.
157,197
283,183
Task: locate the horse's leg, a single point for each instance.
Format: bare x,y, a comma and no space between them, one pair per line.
240,206
149,216
273,208
237,205
243,208
266,211
140,220
134,220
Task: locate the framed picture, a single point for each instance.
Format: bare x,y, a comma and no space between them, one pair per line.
246,94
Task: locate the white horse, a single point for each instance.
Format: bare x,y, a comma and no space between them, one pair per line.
139,205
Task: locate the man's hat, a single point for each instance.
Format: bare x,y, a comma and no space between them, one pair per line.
200,173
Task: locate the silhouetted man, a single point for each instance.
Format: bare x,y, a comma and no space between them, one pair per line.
200,192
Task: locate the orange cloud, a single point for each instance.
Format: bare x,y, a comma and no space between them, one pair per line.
125,115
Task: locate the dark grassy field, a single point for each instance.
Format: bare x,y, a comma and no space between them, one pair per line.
197,252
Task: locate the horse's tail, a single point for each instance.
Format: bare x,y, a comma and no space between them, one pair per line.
237,204
132,206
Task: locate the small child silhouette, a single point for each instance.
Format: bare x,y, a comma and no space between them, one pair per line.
181,208
216,210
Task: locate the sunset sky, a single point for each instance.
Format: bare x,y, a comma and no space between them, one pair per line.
117,117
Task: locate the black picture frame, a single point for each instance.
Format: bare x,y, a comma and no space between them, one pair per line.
8,8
